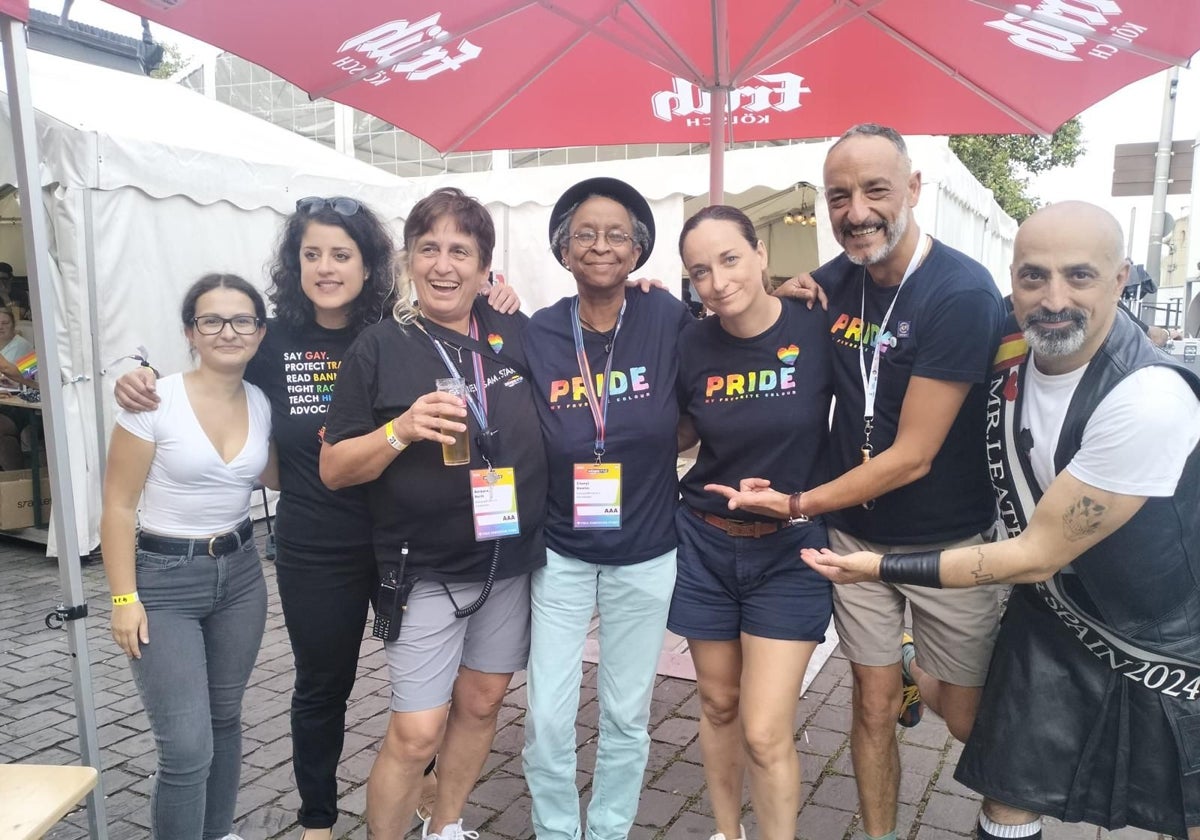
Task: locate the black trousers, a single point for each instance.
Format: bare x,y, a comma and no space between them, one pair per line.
324,594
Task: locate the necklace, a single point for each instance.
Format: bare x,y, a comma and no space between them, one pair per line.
456,348
608,334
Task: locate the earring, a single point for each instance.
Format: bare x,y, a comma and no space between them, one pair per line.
565,263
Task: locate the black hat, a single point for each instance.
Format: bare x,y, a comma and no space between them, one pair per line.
619,192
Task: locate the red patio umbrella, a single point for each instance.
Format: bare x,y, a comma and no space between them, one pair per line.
498,74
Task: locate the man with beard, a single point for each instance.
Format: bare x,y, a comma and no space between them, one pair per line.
915,325
1091,710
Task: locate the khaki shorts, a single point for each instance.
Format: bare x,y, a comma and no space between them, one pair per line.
954,629
423,662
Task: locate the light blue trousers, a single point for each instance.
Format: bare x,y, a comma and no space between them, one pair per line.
632,603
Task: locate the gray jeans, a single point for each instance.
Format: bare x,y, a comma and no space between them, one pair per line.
206,617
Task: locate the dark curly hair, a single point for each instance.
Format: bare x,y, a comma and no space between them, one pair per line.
374,242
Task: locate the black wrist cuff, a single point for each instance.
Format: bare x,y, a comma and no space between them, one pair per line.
922,568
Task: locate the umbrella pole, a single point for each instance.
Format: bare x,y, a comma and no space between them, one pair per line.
717,112
74,606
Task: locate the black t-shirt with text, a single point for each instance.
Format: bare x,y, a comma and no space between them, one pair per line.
947,323
297,369
761,405
418,500
643,416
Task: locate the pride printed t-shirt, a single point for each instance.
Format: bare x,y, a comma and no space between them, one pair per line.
947,323
761,405
643,414
297,370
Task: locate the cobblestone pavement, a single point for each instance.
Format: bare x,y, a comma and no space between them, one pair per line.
37,725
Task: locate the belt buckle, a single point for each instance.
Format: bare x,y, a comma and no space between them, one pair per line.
211,544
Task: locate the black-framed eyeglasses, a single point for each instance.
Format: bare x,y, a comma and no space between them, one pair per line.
339,204
214,324
615,238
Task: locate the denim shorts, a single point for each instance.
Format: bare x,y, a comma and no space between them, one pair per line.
726,586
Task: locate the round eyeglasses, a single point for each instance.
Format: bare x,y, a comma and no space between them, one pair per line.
615,238
339,204
214,324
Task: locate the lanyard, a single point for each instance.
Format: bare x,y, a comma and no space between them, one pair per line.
477,402
871,382
599,410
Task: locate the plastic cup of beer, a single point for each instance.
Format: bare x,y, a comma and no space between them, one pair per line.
458,453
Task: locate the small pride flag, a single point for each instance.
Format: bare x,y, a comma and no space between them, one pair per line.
27,364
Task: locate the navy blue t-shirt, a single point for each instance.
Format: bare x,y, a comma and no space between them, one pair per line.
643,414
761,405
947,323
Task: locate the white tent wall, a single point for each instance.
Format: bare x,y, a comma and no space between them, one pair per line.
148,186
960,211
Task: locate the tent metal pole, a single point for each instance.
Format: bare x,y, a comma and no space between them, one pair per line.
36,241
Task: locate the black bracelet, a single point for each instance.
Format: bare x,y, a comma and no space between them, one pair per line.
922,568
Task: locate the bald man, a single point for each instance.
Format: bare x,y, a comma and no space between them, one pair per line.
1091,710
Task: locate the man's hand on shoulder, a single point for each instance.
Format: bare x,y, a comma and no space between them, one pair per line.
803,288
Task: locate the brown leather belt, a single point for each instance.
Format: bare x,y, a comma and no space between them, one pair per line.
741,527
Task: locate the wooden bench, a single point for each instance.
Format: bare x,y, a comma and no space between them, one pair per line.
34,796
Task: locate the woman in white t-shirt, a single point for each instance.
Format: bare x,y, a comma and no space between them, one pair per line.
189,600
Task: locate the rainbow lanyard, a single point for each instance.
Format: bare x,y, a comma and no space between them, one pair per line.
477,402
599,409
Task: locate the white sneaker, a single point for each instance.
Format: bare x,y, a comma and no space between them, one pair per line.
451,831
741,834
231,837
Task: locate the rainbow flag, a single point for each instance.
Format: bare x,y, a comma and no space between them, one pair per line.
27,364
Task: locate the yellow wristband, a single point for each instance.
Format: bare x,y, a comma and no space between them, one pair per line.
122,600
389,431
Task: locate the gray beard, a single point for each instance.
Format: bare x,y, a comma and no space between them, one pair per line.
1058,343
895,232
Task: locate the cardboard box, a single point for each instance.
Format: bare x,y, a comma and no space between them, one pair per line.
16,498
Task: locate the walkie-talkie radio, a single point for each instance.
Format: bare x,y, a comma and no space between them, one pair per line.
393,598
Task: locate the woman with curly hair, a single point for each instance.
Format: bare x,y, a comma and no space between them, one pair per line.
331,277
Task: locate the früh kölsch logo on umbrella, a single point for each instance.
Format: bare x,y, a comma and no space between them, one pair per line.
748,104
414,50
1059,29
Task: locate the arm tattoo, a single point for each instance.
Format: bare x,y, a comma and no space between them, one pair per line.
1082,518
981,577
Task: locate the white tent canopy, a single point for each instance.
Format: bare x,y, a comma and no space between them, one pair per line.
147,186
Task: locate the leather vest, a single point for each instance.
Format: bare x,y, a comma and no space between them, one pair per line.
1143,581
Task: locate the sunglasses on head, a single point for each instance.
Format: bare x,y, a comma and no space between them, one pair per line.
339,204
